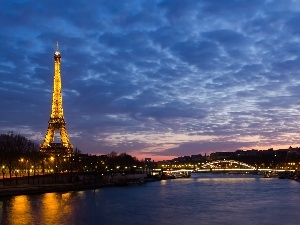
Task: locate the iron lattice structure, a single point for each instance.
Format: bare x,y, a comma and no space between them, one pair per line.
57,121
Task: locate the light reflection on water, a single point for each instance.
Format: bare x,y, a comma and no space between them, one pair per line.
50,208
202,199
20,206
55,207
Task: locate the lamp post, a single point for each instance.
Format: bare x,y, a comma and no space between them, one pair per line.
52,164
3,173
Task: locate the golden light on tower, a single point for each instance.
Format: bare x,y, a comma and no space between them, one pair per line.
57,121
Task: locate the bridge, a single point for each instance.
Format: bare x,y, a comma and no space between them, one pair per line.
226,166
231,165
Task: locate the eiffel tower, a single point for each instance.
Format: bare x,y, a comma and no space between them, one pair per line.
57,121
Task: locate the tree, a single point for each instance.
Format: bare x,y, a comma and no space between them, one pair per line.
13,147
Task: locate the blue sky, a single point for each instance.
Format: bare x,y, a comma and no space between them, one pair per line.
158,78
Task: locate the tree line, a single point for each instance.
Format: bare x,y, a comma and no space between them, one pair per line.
19,156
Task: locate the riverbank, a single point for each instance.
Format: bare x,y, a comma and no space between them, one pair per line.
63,183
18,186
12,189
6,191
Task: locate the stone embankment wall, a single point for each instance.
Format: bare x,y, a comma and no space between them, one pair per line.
67,178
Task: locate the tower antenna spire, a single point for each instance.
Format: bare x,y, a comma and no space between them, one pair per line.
57,46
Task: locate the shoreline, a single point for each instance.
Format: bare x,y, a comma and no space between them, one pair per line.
9,191
64,183
32,189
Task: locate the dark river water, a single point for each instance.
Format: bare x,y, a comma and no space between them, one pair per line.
202,199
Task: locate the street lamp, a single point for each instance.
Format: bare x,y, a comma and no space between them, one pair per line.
51,163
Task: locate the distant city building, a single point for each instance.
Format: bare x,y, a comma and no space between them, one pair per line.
280,154
148,160
221,155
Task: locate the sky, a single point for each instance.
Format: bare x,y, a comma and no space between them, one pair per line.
154,78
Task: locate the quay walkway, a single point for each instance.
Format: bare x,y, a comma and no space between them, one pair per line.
47,188
62,183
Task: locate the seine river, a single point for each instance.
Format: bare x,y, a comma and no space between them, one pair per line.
202,199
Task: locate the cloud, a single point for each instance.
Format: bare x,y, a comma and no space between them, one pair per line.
166,77
195,148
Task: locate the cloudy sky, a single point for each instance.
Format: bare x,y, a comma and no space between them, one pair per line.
156,78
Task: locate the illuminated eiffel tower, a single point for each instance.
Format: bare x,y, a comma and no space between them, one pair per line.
57,121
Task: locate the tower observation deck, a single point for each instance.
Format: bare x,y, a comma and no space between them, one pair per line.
57,121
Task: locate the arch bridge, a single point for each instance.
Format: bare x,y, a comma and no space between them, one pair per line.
228,165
